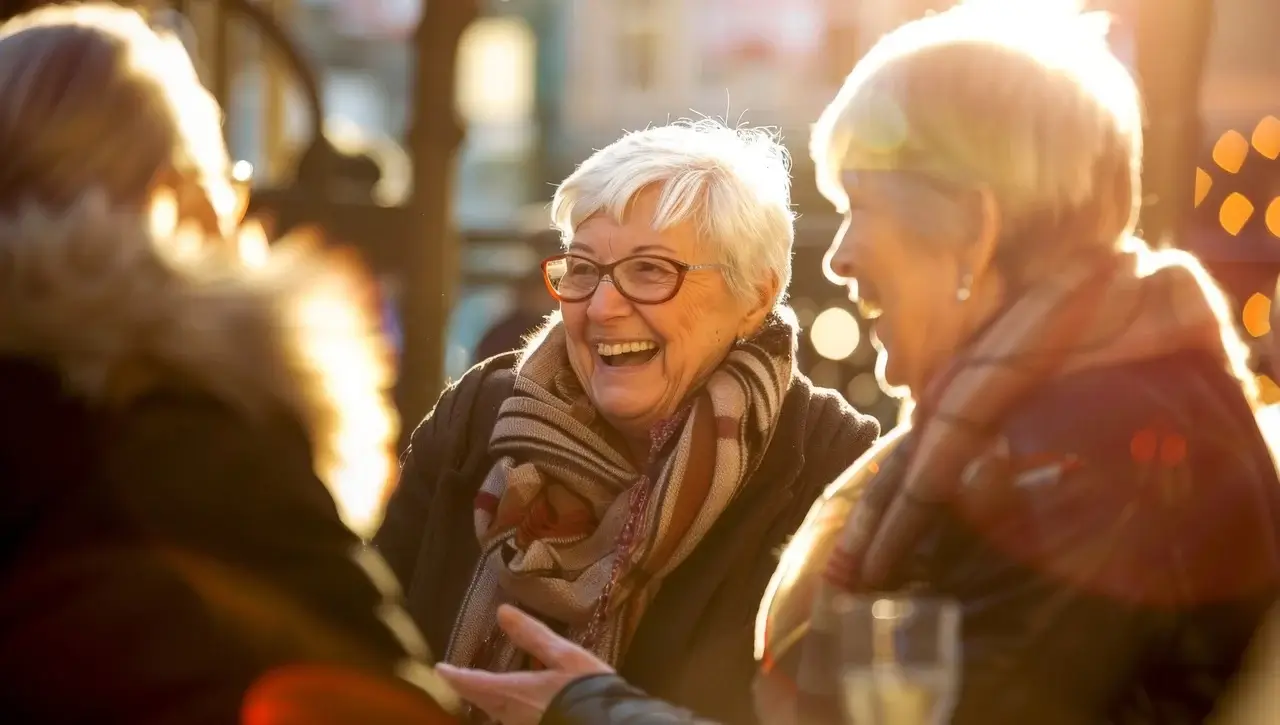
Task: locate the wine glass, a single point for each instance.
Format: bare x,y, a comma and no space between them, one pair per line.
899,659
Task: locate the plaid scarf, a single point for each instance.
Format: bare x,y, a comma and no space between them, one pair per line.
1135,305
570,530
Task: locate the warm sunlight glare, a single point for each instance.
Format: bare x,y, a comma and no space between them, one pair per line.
242,172
1268,391
252,245
164,213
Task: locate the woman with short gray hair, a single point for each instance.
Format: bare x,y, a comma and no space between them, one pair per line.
629,474
1082,473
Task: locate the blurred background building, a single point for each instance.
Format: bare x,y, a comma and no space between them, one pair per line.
542,83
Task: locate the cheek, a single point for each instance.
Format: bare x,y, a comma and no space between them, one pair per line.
574,319
695,327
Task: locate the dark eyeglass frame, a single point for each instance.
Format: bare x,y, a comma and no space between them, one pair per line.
606,272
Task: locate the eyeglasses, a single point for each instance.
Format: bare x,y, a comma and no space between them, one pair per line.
643,279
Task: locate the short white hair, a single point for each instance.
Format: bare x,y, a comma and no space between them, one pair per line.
734,183
1023,98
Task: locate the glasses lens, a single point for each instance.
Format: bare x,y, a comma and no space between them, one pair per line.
572,277
648,279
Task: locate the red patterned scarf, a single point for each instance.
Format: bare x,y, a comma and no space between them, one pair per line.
570,530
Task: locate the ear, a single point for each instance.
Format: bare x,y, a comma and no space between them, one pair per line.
984,235
760,307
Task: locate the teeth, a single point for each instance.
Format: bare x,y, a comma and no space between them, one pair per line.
606,349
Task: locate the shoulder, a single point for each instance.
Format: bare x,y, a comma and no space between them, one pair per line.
466,408
827,435
1110,410
825,415
1115,460
486,378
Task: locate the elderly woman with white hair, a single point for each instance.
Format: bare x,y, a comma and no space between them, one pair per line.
1082,472
631,473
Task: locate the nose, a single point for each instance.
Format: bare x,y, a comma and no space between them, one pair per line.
837,263
607,303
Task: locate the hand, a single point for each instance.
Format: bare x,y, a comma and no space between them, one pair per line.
520,698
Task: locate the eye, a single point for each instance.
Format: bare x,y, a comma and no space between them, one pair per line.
580,267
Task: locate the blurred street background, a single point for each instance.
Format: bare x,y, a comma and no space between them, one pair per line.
431,137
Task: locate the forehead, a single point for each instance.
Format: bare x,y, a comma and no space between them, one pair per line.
922,204
639,231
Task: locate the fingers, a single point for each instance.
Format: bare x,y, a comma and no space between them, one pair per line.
511,698
536,638
485,690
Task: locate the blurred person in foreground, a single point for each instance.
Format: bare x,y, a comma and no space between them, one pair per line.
171,409
1082,470
630,474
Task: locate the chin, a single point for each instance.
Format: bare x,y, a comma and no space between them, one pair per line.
890,377
615,404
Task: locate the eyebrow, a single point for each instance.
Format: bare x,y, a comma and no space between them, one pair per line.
580,248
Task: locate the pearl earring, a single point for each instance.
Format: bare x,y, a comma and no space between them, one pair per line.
964,291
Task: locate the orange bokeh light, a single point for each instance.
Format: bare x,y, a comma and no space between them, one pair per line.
1173,449
1230,151
1266,137
1204,183
1257,315
1268,391
1235,212
1273,216
1143,445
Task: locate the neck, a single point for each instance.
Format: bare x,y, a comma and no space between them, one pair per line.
638,447
982,309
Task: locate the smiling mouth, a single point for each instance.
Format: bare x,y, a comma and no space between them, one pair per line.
864,296
627,354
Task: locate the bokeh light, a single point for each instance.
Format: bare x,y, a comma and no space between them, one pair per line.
1266,137
835,333
1230,151
804,309
1204,183
1235,212
1257,315
863,391
1273,216
825,374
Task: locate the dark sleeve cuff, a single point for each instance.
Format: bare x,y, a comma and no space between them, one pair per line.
607,699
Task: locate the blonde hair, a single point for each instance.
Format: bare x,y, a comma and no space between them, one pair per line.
1024,99
735,183
90,95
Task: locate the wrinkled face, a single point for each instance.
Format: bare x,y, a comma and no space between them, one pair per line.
905,250
638,362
